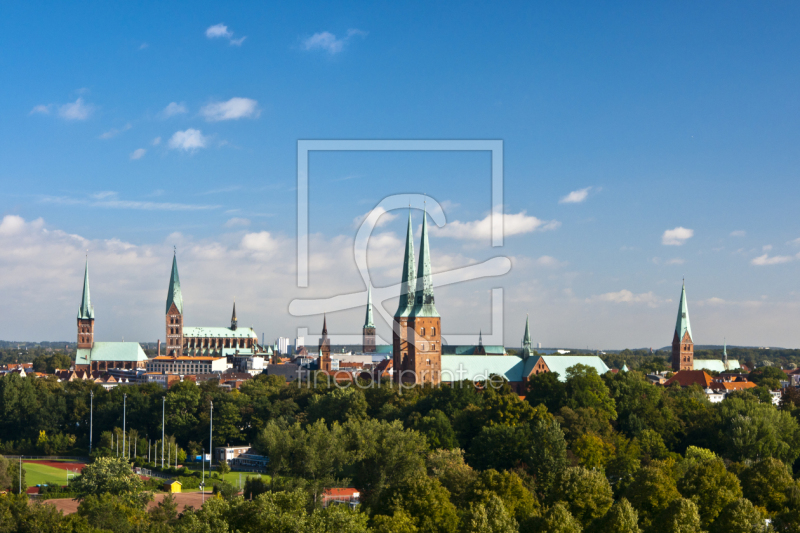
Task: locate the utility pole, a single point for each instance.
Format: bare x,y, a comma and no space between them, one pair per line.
124,398
91,419
210,437
163,410
20,474
203,484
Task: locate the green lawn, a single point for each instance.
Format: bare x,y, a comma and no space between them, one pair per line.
231,477
36,474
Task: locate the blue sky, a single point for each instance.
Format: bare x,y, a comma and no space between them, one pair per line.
656,117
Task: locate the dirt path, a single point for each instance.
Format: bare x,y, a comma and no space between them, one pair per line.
184,499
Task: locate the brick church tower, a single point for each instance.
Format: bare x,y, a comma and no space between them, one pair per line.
682,343
86,315
174,316
325,347
368,333
424,323
400,346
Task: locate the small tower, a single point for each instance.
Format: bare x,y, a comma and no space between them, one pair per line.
174,316
725,353
368,332
682,341
480,350
527,351
86,315
325,347
234,322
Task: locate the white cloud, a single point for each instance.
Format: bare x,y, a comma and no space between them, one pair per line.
261,242
738,233
576,197
138,153
548,261
188,140
218,30
327,41
221,31
156,141
766,248
626,296
513,224
379,214
113,132
236,222
774,260
109,200
77,110
233,109
174,108
677,236
675,261
40,109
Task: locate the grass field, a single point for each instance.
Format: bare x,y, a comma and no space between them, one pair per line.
36,474
232,477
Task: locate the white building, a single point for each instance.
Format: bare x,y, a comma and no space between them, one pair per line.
283,345
187,364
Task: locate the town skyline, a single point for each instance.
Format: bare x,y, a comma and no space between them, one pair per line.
637,150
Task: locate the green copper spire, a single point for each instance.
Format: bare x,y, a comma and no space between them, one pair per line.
369,322
527,351
682,325
408,282
86,310
424,300
174,295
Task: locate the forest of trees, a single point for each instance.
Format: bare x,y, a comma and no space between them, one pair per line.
592,453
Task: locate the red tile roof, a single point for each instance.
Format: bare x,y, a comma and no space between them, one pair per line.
687,378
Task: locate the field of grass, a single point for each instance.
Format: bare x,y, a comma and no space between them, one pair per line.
36,474
232,477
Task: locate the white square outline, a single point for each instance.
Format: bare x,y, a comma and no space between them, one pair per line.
304,146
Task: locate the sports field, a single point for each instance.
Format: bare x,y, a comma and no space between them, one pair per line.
232,477
37,473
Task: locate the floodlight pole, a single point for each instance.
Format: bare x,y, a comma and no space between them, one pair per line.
210,437
124,409
203,484
163,410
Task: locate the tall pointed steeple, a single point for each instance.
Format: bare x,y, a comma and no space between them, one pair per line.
86,311
408,282
174,295
480,338
368,321
234,321
725,353
324,326
424,304
682,325
527,350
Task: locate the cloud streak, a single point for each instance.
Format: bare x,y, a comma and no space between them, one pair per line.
328,42
109,200
677,236
233,109
218,31
513,224
576,197
188,140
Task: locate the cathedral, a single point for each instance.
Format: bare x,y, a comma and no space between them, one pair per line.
416,329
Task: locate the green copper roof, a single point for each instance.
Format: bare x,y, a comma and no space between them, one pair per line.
174,295
560,364
369,322
682,325
408,283
86,310
526,339
423,296
110,351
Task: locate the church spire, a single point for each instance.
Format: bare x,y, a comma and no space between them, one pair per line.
424,300
408,282
682,325
86,311
527,351
324,325
174,295
234,321
369,322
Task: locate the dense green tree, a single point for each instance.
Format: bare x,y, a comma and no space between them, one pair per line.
253,486
49,363
517,500
680,516
489,517
586,493
546,455
425,500
766,484
789,520
5,475
339,405
547,389
114,512
509,410
109,475
625,463
437,429
399,522
337,519
577,422
585,388
641,405
19,484
621,518
738,516
592,451
499,447
753,430
556,519
650,492
456,476
711,487
165,513
652,446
